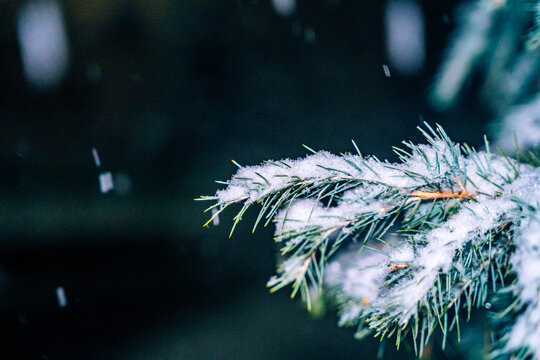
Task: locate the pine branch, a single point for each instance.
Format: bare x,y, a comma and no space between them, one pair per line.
401,248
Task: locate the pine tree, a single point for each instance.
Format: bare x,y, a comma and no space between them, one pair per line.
404,250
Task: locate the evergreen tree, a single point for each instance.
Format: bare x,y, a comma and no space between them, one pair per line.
406,249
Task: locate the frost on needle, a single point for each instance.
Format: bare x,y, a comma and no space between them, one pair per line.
402,248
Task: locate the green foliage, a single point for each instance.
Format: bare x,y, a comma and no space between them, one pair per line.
441,226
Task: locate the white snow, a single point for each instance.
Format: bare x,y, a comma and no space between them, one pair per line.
96,157
252,183
291,270
308,212
358,274
491,179
386,71
215,217
61,296
437,256
526,262
106,182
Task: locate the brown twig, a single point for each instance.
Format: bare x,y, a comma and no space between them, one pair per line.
396,267
428,195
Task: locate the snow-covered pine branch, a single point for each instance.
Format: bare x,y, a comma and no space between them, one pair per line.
524,336
402,247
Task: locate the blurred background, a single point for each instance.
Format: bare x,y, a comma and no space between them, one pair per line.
115,115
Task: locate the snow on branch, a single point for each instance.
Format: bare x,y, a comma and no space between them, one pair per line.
400,247
525,333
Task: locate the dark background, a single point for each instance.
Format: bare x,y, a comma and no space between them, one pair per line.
183,87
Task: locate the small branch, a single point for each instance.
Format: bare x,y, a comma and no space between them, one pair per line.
396,267
428,195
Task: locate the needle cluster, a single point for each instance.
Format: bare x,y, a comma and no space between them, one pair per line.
403,249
